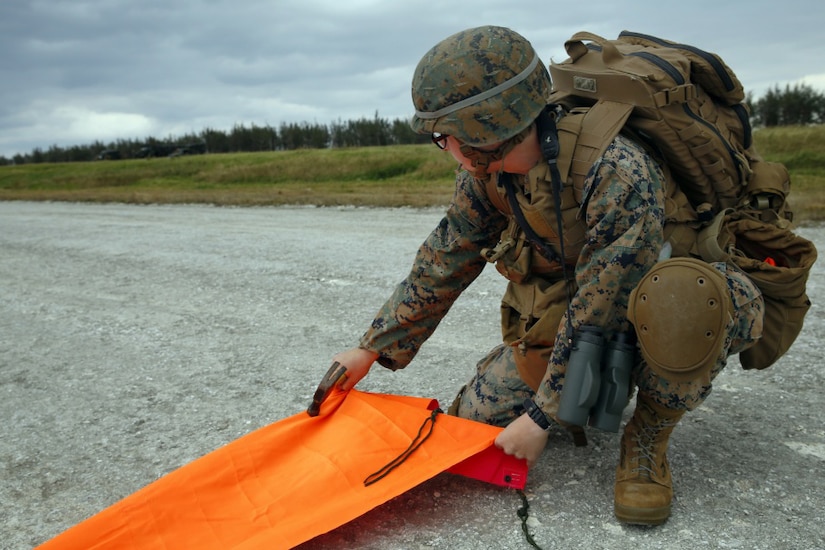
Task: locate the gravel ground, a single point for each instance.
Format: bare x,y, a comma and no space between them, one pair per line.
134,339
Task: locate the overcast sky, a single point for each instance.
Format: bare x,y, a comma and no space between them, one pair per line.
75,71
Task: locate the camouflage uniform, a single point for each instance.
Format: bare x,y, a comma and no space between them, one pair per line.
624,218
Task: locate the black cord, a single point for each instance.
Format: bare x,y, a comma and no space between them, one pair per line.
428,425
414,445
524,514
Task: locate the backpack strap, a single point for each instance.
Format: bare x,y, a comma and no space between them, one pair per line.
584,135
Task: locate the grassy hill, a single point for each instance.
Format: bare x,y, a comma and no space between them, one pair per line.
410,175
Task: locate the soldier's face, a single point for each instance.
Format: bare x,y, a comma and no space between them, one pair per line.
519,160
453,146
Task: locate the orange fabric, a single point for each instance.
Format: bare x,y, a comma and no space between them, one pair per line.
295,479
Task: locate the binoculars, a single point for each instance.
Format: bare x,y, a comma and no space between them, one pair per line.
597,382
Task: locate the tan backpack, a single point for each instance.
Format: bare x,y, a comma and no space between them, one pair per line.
686,106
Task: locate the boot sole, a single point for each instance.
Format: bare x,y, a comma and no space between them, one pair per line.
641,516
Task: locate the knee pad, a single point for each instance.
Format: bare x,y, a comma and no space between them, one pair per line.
680,310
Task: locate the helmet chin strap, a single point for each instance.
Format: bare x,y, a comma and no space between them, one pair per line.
481,160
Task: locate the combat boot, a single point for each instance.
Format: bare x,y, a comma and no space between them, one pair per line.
643,484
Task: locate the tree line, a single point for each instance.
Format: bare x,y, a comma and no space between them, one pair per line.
240,138
798,104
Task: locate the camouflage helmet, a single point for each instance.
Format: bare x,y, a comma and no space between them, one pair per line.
482,85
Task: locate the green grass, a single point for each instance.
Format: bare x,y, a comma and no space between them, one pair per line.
404,175
387,176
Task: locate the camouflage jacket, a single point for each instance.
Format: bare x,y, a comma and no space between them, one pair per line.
624,219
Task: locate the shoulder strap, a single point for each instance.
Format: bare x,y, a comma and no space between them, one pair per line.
584,135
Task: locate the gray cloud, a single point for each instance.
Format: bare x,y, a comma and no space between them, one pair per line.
78,70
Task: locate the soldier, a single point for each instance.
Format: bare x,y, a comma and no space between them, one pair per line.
591,257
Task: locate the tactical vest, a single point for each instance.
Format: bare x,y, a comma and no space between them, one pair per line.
537,295
581,145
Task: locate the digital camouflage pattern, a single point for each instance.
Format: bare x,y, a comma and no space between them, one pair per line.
445,264
624,219
467,64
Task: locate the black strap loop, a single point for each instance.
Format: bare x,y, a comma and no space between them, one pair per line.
417,441
549,142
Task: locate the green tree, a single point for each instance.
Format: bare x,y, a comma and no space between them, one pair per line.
403,134
799,104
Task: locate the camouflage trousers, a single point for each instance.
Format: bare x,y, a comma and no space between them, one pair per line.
496,392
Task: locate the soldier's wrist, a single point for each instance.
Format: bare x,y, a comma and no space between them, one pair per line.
536,414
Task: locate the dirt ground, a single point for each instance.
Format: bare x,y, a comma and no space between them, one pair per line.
135,339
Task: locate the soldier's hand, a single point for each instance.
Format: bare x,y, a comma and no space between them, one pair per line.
358,362
346,370
523,438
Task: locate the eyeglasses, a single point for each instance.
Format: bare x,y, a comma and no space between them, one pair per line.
439,139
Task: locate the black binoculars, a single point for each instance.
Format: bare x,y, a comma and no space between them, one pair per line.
597,382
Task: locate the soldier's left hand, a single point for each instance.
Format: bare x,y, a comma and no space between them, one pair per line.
523,438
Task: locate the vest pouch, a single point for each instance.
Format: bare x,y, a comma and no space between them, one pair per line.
541,215
778,261
530,319
767,189
515,264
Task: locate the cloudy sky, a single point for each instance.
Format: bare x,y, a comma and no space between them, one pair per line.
75,71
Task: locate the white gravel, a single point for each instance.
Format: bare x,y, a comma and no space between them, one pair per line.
134,339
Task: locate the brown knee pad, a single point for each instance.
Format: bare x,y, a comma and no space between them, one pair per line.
680,310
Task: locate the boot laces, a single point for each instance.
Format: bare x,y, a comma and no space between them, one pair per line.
646,440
